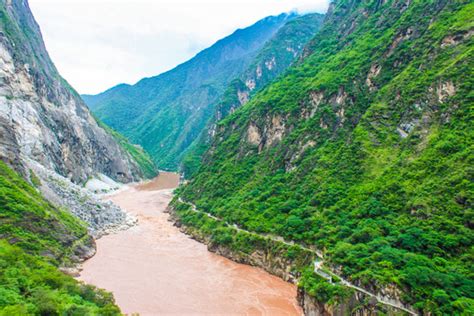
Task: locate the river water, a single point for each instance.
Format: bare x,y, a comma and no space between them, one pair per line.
154,269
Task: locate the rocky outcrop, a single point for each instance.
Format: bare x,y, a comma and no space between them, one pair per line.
373,73
269,134
445,90
243,96
453,40
253,134
101,217
83,249
41,116
357,304
351,306
48,134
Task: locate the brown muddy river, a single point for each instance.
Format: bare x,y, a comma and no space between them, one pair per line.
154,269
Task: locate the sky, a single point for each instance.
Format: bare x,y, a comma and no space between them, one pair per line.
97,44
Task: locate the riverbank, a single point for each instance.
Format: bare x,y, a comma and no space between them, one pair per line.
153,268
320,290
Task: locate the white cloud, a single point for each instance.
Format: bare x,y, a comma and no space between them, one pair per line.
97,44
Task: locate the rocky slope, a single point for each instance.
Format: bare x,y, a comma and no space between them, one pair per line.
47,132
166,113
101,217
41,116
362,151
48,135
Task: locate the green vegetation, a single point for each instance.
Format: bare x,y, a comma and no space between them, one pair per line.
33,224
31,286
321,289
44,237
166,114
240,242
278,53
375,162
34,179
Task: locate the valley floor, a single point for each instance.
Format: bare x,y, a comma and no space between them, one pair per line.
153,268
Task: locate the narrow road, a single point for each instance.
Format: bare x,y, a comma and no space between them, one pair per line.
327,273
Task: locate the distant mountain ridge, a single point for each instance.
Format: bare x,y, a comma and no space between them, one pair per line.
273,59
166,113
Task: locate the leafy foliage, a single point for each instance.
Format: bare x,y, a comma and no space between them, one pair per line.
33,224
31,284
365,150
322,290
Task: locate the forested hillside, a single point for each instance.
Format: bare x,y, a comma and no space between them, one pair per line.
164,114
363,150
273,59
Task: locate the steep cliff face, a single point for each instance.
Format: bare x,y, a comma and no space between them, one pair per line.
278,53
41,116
273,59
363,151
166,113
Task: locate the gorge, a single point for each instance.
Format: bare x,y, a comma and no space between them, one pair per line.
317,164
153,268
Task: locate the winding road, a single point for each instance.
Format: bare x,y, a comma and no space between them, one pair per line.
326,273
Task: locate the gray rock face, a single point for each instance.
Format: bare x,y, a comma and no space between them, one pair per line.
46,129
102,217
41,116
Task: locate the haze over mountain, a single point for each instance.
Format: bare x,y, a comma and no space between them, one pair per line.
274,58
166,113
145,37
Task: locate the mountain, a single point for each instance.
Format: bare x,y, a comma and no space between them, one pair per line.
166,113
278,53
41,117
50,147
360,158
47,132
